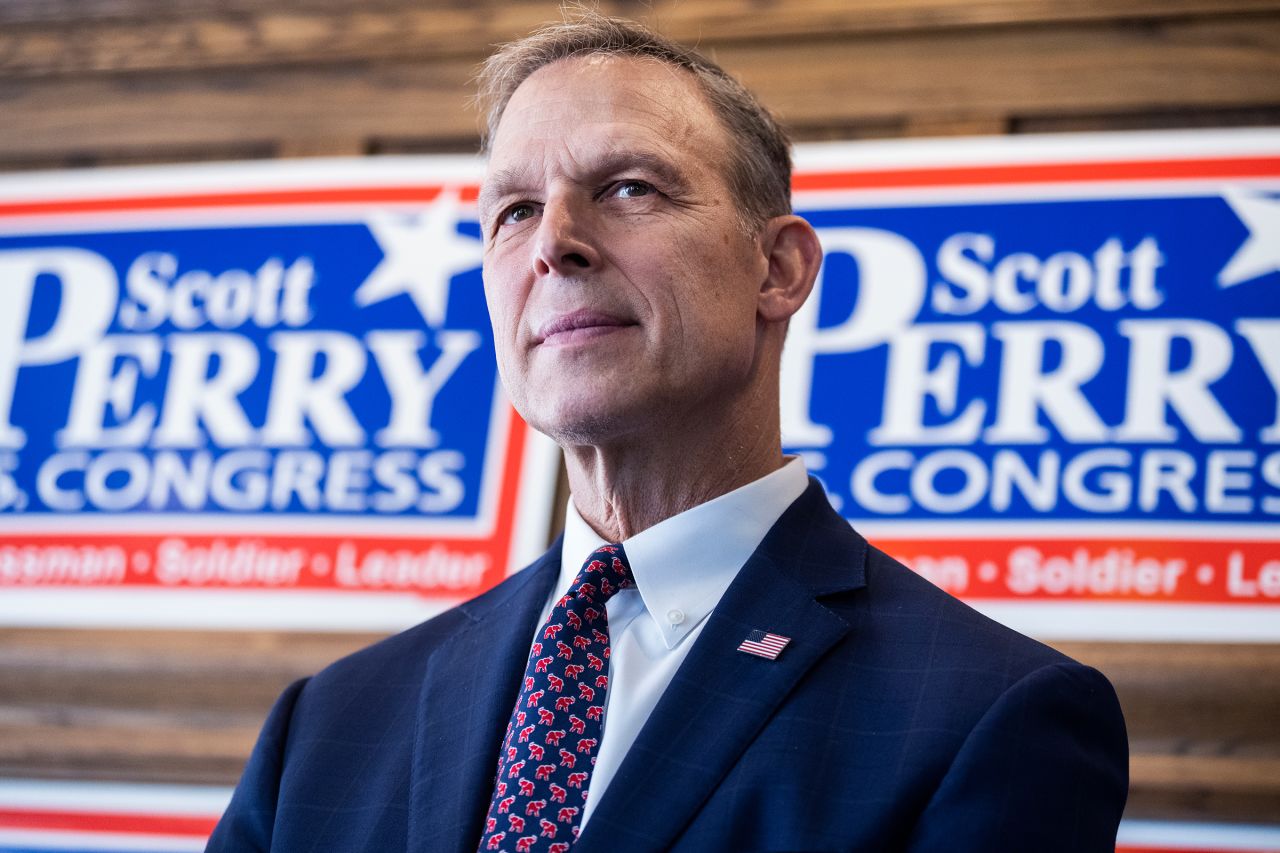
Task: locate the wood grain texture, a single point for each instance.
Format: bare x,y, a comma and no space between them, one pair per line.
88,156
186,706
162,706
995,75
260,107
62,36
1193,64
1202,719
1176,118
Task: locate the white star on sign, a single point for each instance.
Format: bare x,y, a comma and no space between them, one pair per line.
1260,253
421,253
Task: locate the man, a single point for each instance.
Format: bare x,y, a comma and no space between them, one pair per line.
732,668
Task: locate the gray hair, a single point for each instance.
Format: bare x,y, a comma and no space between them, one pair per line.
759,167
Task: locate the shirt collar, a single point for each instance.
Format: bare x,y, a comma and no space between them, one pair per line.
683,565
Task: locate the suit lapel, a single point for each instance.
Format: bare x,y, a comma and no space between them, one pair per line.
721,698
469,689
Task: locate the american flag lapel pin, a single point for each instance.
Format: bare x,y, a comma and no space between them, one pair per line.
762,644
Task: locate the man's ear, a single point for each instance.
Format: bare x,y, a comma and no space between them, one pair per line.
795,256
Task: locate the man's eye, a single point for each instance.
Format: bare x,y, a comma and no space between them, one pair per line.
632,189
518,213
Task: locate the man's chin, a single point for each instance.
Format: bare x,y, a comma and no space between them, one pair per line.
594,420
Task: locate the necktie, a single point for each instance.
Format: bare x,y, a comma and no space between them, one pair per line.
544,767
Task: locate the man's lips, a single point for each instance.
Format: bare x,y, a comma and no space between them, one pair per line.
577,326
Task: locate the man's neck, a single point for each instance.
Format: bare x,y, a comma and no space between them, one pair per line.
623,489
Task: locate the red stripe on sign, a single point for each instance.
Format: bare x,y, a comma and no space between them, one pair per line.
1173,570
1120,170
196,826
263,198
1142,848
512,483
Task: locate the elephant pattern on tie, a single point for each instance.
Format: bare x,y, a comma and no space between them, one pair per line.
551,741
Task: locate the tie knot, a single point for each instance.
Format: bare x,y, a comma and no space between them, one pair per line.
605,572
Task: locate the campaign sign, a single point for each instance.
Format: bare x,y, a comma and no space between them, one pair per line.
95,817
254,395
1043,372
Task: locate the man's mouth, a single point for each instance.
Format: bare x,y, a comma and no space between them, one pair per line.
578,326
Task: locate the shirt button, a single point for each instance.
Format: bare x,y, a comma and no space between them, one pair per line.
675,617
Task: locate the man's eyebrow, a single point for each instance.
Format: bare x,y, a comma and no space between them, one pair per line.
504,181
497,185
622,161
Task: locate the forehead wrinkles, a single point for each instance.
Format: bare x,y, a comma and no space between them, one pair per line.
585,101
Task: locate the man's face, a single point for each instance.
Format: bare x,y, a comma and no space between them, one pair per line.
621,285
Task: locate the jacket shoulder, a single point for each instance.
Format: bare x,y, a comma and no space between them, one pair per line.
897,592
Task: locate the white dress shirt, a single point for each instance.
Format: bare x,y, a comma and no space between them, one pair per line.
682,567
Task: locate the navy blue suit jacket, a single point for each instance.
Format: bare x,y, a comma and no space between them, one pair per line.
897,719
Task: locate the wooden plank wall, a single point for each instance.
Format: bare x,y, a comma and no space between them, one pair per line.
95,82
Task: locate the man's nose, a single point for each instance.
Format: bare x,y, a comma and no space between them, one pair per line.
566,245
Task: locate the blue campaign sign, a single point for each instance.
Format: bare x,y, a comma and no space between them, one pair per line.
1042,371
1026,356
255,379
236,341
